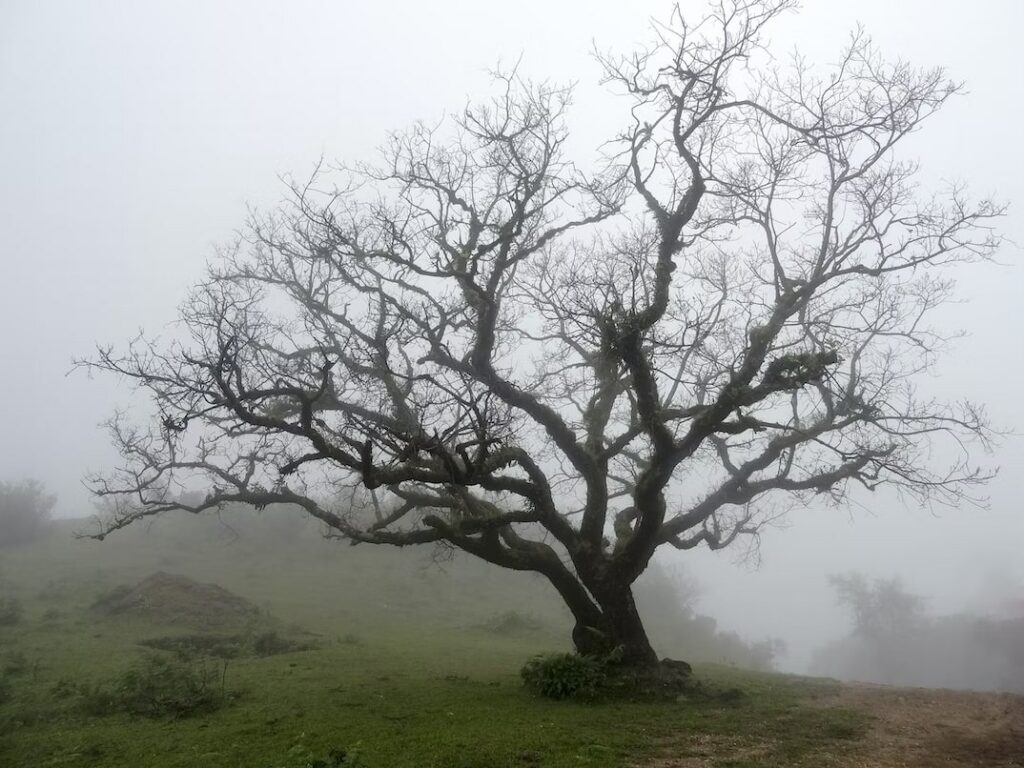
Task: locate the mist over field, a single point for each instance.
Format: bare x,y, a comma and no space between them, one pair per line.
170,175
280,560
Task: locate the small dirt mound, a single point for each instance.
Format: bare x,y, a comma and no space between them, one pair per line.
179,601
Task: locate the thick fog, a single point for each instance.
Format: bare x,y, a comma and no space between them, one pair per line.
136,135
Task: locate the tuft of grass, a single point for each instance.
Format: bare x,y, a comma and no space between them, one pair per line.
160,688
564,676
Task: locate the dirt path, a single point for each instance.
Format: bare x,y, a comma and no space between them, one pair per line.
910,728
922,728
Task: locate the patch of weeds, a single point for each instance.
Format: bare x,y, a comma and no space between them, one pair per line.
350,639
572,676
160,687
564,676
300,756
11,611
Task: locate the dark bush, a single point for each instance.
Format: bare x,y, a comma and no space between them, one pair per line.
160,687
564,676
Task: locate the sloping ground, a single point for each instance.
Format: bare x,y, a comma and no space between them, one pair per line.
908,728
178,601
936,729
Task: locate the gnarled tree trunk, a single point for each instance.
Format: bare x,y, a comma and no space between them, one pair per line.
607,621
622,629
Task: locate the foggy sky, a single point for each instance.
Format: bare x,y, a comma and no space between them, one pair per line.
134,135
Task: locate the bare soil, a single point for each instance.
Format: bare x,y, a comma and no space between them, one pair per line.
909,728
180,602
935,728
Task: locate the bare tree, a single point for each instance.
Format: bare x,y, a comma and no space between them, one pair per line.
881,610
478,344
25,509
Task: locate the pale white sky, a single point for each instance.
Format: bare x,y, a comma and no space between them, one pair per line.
134,134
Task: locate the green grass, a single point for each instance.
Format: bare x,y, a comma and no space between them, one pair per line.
419,685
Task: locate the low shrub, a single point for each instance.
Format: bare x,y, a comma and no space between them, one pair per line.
564,676
160,687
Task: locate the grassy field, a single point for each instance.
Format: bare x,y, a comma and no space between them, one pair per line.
406,670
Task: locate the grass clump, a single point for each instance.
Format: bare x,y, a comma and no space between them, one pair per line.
300,756
572,676
565,676
160,688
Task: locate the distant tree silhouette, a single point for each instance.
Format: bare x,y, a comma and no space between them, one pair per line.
25,509
881,608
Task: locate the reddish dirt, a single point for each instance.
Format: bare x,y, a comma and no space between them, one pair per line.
924,728
910,728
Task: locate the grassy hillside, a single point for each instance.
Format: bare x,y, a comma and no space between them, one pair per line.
413,662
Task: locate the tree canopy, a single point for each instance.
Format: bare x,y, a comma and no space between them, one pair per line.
482,342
